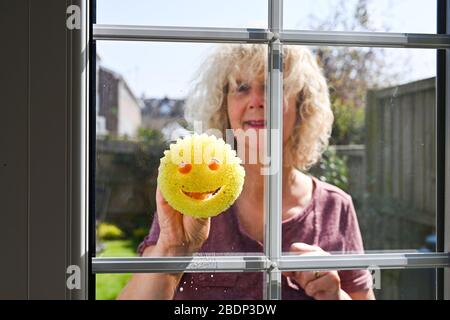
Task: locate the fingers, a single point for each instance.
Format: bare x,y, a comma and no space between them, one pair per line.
159,197
162,203
328,282
165,212
288,274
315,284
304,278
300,247
301,277
321,285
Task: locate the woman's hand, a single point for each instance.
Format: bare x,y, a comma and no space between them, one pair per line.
321,285
180,234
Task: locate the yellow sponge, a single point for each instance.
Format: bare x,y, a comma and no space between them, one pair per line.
200,176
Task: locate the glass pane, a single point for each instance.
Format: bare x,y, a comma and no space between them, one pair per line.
109,286
372,184
191,286
407,284
409,16
404,284
150,95
194,13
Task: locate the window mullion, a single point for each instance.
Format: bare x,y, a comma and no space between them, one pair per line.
273,174
443,164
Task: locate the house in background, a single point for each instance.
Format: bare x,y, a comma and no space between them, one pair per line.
99,120
166,115
117,105
119,112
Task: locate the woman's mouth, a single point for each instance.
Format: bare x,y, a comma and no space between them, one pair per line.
256,124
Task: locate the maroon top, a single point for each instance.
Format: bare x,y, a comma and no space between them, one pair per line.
329,221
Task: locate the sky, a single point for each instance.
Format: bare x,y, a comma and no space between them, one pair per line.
159,69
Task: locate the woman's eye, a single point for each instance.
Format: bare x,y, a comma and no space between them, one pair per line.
242,87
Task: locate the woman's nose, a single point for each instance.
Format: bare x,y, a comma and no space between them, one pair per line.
257,99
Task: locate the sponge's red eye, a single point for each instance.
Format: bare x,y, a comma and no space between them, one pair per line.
184,167
214,164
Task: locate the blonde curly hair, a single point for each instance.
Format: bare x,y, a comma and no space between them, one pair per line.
207,100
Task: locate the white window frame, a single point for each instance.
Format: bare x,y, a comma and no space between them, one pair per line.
273,262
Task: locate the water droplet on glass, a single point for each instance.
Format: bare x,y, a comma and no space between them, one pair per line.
181,289
212,276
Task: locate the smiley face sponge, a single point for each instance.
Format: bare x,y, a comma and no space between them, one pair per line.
200,176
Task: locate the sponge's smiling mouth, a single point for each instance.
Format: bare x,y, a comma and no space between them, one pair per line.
202,195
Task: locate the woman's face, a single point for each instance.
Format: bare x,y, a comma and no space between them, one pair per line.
246,107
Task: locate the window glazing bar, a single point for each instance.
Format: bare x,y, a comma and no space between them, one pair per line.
261,263
242,35
363,261
366,39
186,34
274,146
443,98
181,264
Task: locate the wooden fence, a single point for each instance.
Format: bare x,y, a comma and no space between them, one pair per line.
355,159
401,170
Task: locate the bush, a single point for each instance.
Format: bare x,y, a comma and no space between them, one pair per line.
348,125
332,169
140,233
108,231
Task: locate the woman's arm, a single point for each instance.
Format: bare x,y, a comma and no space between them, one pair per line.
179,235
152,286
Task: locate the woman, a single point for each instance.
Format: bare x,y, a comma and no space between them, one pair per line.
317,217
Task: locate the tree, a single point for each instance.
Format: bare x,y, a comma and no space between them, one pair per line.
351,71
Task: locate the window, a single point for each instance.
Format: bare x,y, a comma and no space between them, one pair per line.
380,16
172,13
387,148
